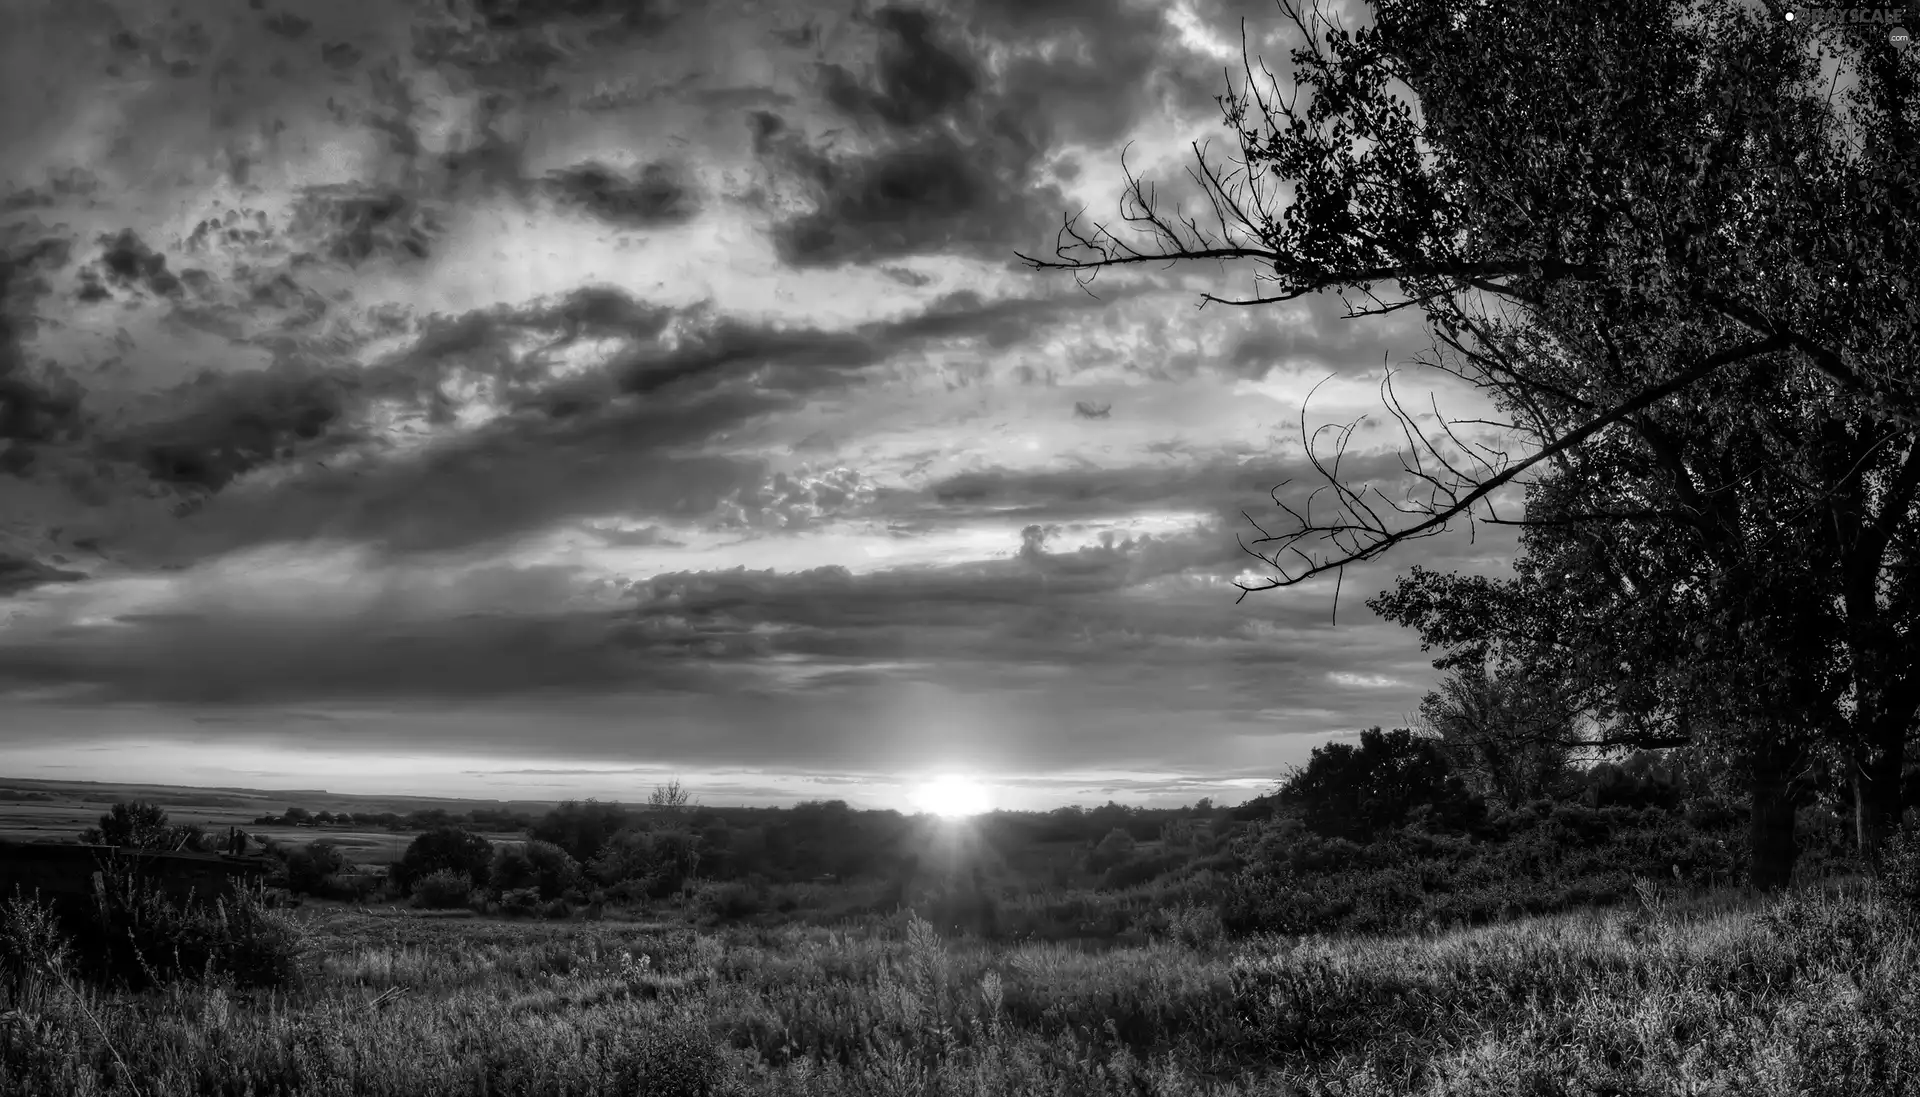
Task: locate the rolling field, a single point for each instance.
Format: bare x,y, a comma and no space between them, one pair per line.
1809,995
34,810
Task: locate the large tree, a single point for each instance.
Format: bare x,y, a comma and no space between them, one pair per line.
1680,265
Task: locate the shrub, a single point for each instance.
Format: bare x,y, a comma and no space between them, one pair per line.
351,888
520,902
736,899
661,859
1116,847
678,1059
1899,879
1353,792
30,935
442,890
540,865
1191,925
557,909
581,828
139,824
138,936
444,849
310,867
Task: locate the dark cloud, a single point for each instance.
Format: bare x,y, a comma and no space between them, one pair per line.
960,145
1087,409
917,77
531,14
17,574
241,658
287,25
242,422
936,193
126,261
659,195
352,224
609,440
38,403
955,170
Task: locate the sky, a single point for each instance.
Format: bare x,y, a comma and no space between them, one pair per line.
541,399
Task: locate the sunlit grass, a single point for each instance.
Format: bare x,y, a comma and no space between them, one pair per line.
1715,995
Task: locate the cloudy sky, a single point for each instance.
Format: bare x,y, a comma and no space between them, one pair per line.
533,399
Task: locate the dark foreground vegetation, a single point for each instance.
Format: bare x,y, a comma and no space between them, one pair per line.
1817,992
1373,925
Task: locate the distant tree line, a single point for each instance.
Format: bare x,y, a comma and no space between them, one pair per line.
494,819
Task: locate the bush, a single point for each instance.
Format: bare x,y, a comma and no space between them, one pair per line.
674,1060
581,828
736,899
1899,879
352,889
138,937
1191,925
1353,792
520,902
309,868
30,935
660,860
556,910
442,890
540,865
1115,848
444,849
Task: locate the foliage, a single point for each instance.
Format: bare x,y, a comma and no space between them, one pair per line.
581,827
1899,877
138,937
310,868
520,902
444,849
1506,731
1540,858
671,798
656,861
1355,792
1808,995
1116,847
140,825
443,889
540,865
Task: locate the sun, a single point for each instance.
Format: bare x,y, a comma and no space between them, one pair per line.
952,796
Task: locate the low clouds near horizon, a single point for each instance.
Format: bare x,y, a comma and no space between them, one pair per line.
415,387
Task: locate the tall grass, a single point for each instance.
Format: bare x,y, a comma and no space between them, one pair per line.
1717,993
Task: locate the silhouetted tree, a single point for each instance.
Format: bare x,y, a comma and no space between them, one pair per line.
536,864
135,825
671,798
581,827
1356,792
444,848
1513,734
1639,230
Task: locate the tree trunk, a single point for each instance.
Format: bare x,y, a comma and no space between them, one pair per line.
1876,782
1770,843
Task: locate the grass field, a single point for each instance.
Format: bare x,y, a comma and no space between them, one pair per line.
33,810
1719,995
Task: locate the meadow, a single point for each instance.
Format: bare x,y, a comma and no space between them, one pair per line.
1594,941
1709,993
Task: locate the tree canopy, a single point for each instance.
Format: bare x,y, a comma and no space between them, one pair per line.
1680,264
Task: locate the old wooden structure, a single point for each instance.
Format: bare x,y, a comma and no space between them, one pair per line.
66,872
